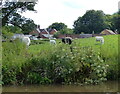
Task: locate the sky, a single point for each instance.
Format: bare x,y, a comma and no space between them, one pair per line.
67,11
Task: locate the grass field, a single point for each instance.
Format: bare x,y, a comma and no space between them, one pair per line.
43,63
108,50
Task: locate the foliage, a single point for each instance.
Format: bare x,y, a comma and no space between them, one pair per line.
116,21
34,42
63,65
63,31
91,21
112,21
11,14
83,62
10,29
6,32
14,55
66,31
109,53
108,21
27,25
61,28
58,26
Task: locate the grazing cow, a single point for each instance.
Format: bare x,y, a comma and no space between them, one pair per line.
26,40
52,42
100,38
67,40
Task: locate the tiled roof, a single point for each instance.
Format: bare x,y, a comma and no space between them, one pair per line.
106,31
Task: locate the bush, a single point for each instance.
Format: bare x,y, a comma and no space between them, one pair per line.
8,31
61,64
66,65
58,64
14,55
34,42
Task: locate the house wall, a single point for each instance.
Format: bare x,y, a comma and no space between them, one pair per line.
69,35
53,31
79,35
85,35
34,33
93,35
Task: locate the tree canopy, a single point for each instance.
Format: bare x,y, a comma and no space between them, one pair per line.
61,28
58,26
91,21
116,21
11,15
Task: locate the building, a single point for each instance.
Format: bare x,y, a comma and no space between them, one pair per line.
52,31
73,36
85,35
107,32
43,33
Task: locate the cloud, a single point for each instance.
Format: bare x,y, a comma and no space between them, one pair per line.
119,5
67,11
72,4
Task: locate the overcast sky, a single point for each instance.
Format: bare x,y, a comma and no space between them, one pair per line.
67,11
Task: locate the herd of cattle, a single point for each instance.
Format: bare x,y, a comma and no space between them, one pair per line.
66,40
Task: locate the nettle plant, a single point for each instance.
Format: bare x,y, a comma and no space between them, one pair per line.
14,55
62,64
93,67
81,65
69,64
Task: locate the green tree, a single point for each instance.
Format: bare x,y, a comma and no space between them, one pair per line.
11,15
91,21
12,29
27,25
7,31
61,28
64,31
108,21
116,21
58,26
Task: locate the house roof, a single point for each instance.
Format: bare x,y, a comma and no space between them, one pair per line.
44,32
108,32
52,30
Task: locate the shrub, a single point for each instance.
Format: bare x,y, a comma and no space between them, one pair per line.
66,65
8,31
14,55
60,64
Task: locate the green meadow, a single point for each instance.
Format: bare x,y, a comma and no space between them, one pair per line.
84,62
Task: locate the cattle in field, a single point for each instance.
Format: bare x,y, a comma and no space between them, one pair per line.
26,40
67,40
52,42
23,38
100,38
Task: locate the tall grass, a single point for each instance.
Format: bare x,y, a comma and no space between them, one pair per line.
60,64
83,62
108,51
0,61
14,54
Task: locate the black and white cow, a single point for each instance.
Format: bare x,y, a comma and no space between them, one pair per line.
67,40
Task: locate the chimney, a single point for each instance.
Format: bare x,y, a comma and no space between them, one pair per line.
38,26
